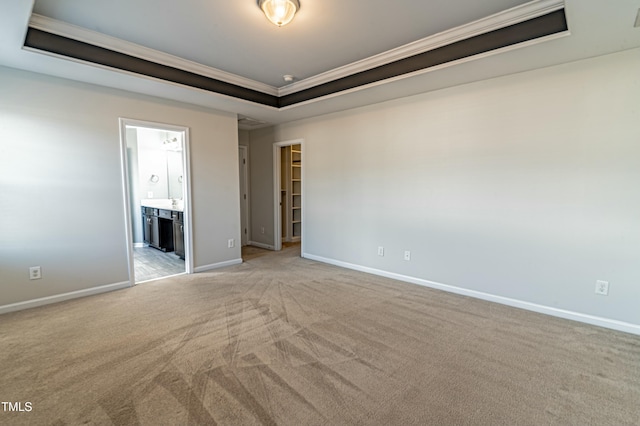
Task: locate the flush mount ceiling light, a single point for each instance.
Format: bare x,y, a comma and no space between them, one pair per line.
280,12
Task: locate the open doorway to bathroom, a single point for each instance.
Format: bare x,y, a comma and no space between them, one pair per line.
156,186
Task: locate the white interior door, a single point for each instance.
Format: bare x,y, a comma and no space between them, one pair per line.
244,194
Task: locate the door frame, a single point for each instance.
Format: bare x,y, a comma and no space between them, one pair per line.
277,177
245,233
186,196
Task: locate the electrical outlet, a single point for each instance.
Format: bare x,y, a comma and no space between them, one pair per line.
602,288
35,273
262,230
150,194
231,243
380,251
407,255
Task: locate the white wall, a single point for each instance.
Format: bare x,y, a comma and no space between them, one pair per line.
261,182
61,186
525,187
243,137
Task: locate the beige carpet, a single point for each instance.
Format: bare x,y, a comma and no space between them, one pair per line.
284,340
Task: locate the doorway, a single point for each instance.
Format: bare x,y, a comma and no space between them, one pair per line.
156,186
289,213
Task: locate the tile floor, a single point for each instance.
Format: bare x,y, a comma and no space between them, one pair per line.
150,263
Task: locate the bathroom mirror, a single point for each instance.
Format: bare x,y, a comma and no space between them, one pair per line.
158,158
174,174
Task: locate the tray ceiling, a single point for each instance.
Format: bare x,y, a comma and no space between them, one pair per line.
342,54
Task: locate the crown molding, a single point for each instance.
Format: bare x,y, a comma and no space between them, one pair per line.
84,35
515,15
502,50
496,21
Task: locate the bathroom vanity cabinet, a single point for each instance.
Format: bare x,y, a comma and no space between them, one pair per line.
159,229
178,233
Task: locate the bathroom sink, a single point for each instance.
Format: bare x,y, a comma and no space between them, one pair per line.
162,203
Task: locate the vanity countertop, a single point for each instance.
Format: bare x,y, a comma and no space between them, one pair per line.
165,204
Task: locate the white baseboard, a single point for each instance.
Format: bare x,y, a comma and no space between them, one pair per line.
261,245
217,265
62,297
542,309
139,245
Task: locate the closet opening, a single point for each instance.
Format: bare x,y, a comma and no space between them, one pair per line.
289,190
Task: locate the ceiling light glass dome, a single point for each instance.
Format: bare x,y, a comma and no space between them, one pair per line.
280,12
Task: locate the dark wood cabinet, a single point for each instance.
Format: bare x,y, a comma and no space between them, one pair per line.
147,224
164,230
158,228
178,234
154,239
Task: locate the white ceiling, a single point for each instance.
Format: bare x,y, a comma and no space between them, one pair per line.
235,38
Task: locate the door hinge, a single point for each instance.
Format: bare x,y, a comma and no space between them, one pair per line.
245,196
244,161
